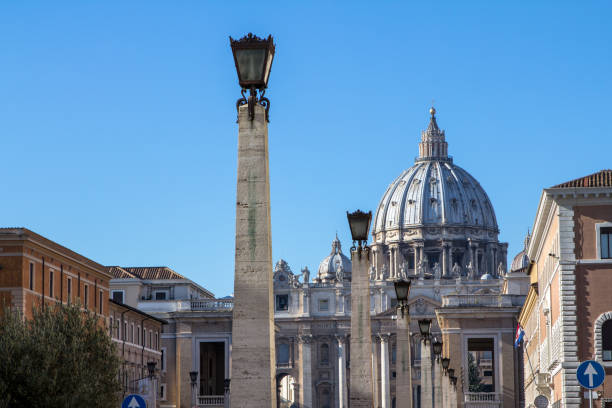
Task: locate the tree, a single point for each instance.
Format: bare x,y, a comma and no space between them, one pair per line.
62,357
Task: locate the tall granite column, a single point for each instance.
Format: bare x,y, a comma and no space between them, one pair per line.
437,387
426,385
361,332
375,365
306,372
385,385
343,391
253,349
445,380
403,368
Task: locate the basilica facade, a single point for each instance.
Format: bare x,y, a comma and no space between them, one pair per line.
433,225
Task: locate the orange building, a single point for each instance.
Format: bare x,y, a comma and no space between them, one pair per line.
567,315
34,269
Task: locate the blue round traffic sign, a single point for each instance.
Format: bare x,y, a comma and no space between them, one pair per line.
134,401
590,374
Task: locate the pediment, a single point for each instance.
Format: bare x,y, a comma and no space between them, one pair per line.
422,305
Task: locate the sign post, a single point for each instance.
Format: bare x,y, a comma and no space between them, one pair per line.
590,375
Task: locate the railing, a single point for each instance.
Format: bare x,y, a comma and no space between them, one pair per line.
481,400
488,300
210,400
213,305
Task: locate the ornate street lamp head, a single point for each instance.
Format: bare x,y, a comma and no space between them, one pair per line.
151,367
445,363
451,372
437,347
453,381
402,290
193,376
424,327
226,384
360,225
253,57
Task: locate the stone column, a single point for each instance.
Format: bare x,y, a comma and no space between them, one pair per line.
437,383
253,352
385,384
306,372
306,302
361,332
342,389
445,268
426,385
445,380
403,365
416,257
376,388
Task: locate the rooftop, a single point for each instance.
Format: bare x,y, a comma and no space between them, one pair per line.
602,178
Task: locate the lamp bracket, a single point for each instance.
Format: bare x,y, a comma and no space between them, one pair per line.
252,100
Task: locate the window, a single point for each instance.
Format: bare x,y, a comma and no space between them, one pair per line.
481,365
162,392
69,288
605,242
323,305
118,326
325,354
132,334
86,296
101,309
31,276
150,344
282,353
156,341
117,295
163,359
111,327
282,302
606,340
162,295
50,283
138,331
125,331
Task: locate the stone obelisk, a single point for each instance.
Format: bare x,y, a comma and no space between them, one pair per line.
253,353
361,334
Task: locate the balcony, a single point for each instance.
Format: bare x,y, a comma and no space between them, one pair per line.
488,300
482,400
186,305
213,305
211,401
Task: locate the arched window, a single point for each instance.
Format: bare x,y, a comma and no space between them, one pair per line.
324,354
606,340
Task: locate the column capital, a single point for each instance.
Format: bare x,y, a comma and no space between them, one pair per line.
418,244
384,337
341,339
305,338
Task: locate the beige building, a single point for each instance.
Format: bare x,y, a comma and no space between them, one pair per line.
567,316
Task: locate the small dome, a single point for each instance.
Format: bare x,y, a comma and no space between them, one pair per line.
335,260
487,276
521,260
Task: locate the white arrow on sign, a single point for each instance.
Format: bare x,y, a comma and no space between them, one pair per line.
590,371
134,403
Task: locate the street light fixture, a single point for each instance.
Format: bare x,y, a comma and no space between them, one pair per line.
402,290
193,376
451,372
437,348
253,57
424,327
151,368
445,363
453,381
360,226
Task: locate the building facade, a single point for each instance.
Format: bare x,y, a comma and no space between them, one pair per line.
567,316
434,225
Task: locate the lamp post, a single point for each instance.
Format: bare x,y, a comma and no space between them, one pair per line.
437,385
226,389
403,382
445,381
426,385
253,353
193,376
453,388
361,394
151,369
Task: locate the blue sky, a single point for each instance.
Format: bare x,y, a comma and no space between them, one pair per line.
118,133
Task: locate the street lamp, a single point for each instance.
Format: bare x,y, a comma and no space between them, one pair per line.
445,363
193,376
360,226
437,348
451,372
402,290
151,368
253,57
424,327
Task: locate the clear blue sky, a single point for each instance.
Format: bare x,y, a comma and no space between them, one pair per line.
118,133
